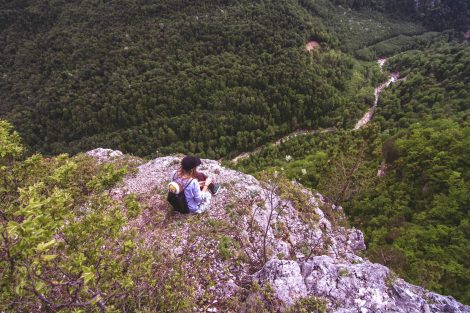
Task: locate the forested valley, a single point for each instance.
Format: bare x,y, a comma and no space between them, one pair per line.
210,78
216,78
213,78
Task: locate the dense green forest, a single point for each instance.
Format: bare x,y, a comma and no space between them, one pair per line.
212,77
417,218
404,179
437,15
437,85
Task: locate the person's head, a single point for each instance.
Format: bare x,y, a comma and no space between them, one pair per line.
188,166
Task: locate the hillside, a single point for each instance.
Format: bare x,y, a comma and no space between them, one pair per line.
404,178
94,232
212,77
283,82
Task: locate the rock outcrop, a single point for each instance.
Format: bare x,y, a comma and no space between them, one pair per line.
103,155
305,253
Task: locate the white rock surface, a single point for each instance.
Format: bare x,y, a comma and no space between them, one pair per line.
285,279
103,155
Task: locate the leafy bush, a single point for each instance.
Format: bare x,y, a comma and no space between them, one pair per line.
310,304
64,244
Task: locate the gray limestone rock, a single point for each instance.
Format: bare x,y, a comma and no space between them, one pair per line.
305,258
285,278
104,155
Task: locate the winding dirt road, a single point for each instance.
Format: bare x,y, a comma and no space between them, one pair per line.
393,77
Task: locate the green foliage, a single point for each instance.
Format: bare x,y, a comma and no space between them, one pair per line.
394,45
293,193
368,24
445,14
171,291
338,163
145,77
255,299
437,85
437,15
353,168
10,146
107,177
132,205
310,304
65,244
416,219
224,246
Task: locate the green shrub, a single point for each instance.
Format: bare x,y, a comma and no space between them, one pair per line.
310,304
66,244
224,247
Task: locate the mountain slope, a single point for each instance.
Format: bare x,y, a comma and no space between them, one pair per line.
403,180
212,77
95,232
311,253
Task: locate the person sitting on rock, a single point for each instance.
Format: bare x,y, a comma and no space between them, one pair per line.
199,188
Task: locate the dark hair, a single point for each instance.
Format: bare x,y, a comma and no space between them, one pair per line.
188,166
191,173
190,162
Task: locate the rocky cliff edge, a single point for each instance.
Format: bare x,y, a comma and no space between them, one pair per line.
305,250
